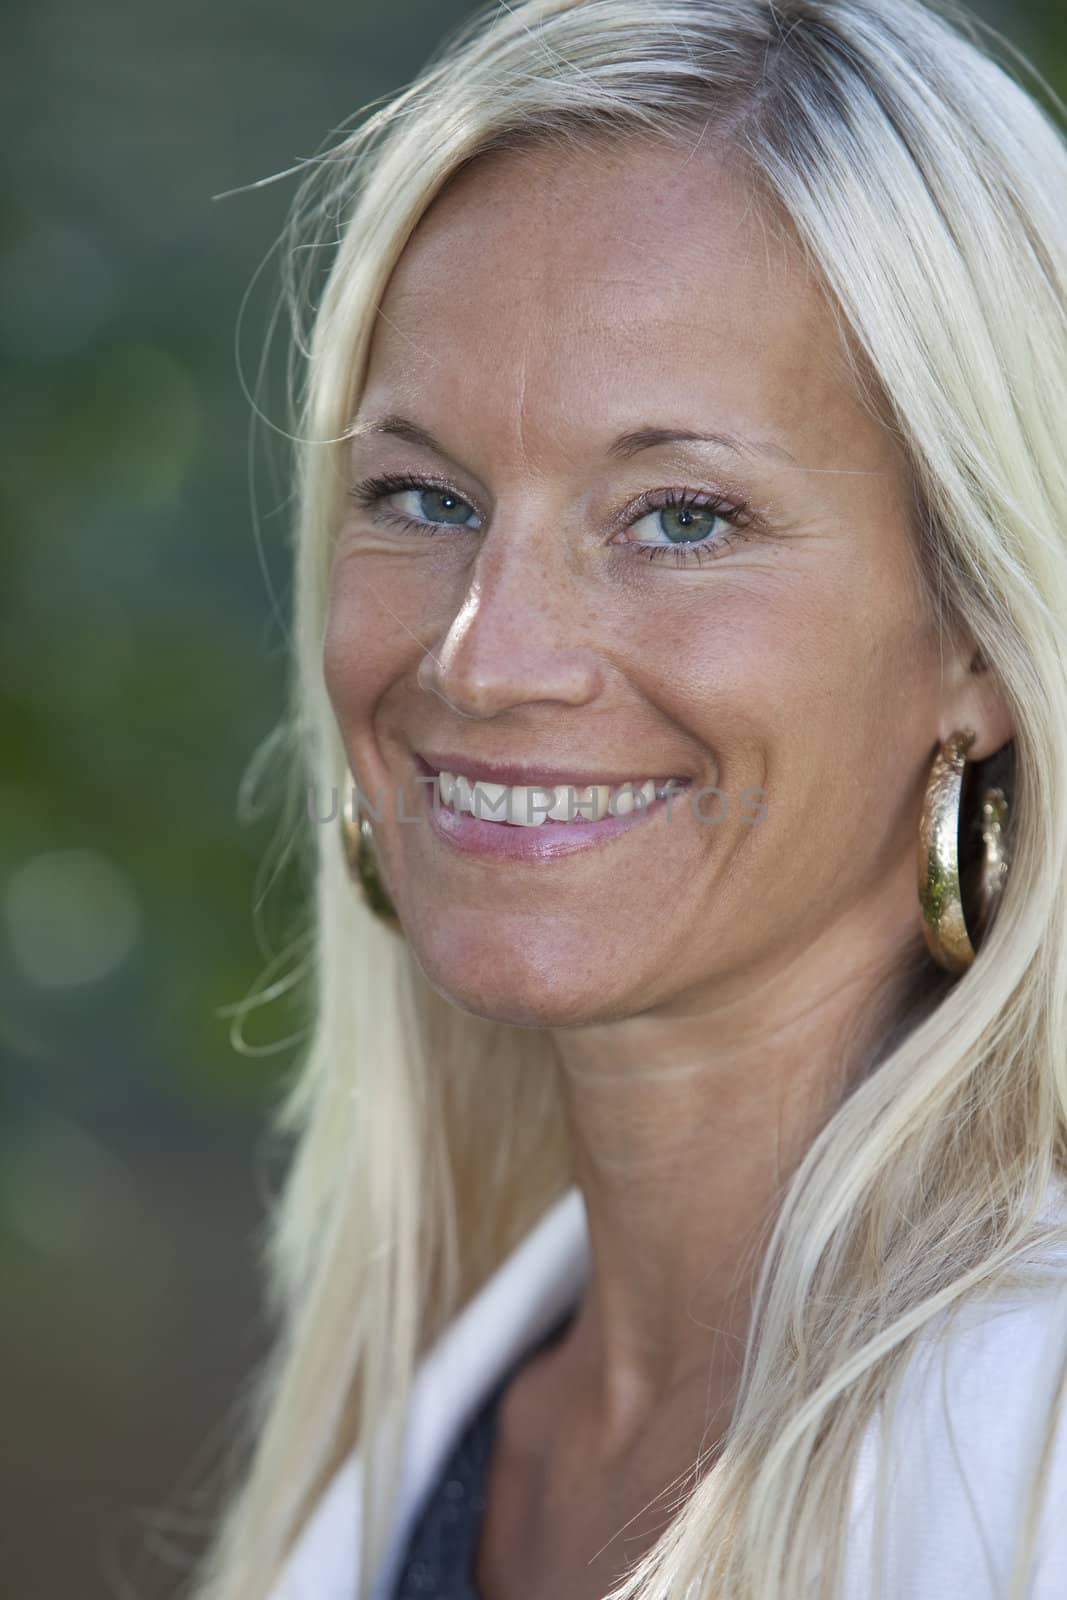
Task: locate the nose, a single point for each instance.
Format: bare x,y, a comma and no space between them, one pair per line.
521,634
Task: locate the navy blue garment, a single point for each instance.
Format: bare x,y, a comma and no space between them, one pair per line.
440,1551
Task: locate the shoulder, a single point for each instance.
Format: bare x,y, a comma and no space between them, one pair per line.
954,1455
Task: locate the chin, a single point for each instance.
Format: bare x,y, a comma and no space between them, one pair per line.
529,988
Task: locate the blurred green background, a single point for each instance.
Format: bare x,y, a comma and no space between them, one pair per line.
144,595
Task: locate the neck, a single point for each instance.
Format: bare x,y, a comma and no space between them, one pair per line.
686,1127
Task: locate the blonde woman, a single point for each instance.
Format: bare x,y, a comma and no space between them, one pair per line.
678,1202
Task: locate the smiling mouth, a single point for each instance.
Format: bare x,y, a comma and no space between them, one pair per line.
538,804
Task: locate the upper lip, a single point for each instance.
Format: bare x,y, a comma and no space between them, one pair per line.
512,773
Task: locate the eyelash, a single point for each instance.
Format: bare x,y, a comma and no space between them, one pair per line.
368,493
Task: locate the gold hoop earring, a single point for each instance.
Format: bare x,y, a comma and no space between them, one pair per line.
940,896
362,863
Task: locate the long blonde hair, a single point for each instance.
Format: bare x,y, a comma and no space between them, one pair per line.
927,185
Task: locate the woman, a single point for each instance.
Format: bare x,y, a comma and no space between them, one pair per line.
678,1200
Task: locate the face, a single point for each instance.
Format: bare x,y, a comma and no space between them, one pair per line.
554,580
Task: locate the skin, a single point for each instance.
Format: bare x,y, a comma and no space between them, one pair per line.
708,989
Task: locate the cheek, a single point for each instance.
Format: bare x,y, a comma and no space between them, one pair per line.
374,621
825,687
344,662
741,656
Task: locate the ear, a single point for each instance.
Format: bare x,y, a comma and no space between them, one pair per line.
972,698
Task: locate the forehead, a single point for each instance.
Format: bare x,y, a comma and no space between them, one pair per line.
544,286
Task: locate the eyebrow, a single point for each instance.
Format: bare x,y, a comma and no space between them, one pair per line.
626,445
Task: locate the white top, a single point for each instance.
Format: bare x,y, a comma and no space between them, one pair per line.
954,1490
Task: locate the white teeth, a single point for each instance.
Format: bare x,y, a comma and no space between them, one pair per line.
591,803
625,801
562,809
490,801
529,805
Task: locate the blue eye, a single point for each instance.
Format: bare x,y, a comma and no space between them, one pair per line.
682,527
681,524
427,505
682,521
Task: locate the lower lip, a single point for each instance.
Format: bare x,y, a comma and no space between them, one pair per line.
474,836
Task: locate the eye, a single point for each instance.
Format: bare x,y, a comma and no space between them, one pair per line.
418,504
686,525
